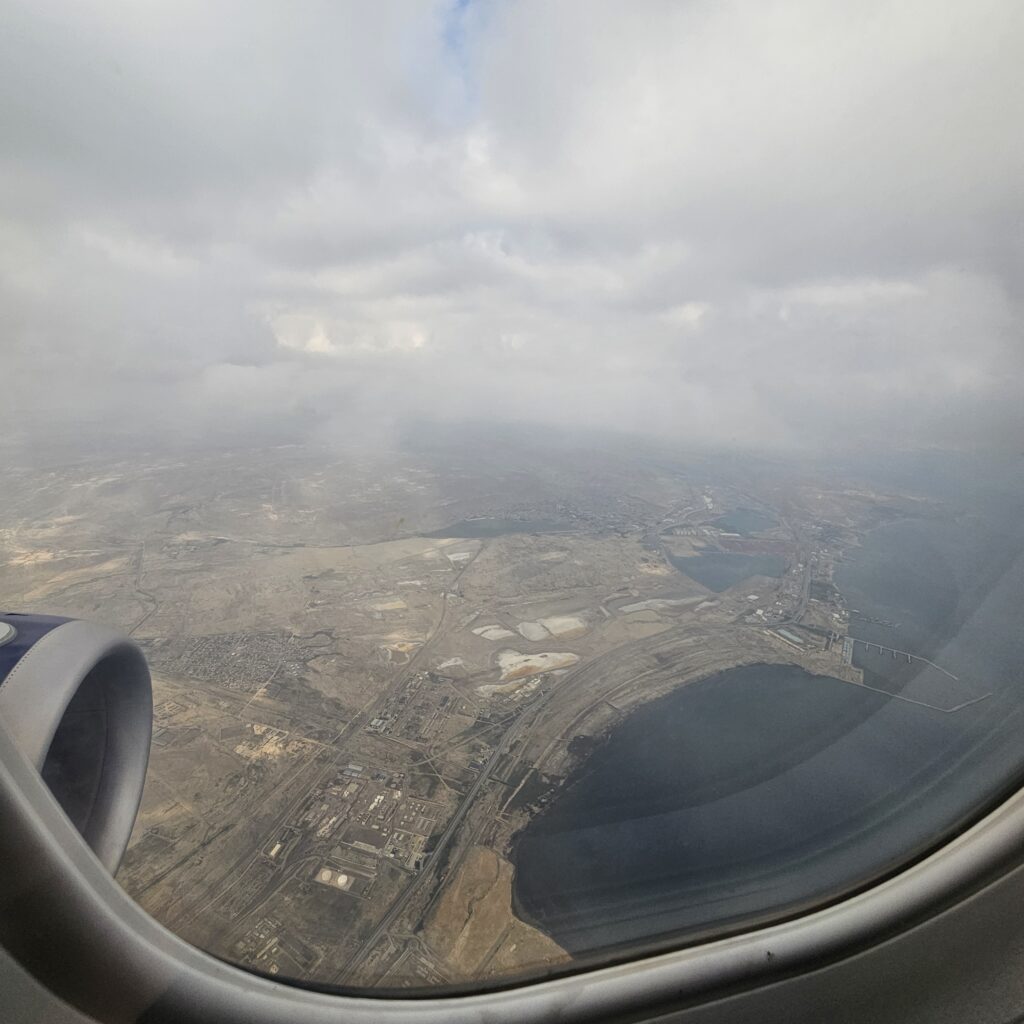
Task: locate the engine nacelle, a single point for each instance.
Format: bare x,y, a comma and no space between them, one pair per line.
77,698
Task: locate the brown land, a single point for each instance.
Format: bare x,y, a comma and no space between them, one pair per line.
472,927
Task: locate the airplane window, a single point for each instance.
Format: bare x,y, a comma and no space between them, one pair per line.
562,462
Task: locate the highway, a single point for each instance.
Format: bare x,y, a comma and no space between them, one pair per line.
602,667
394,912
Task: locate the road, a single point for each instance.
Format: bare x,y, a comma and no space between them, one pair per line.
395,911
607,662
232,876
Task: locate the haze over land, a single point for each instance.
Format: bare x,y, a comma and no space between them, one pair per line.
792,224
519,437
390,690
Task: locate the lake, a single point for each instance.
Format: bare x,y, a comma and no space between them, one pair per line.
720,570
745,521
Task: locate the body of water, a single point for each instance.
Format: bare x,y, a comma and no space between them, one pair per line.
765,789
720,570
745,521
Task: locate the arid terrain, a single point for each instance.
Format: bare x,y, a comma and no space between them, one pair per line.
370,671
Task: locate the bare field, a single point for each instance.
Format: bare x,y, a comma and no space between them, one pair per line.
472,928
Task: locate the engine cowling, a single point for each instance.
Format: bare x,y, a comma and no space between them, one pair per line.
77,699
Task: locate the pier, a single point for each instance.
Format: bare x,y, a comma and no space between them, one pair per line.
896,653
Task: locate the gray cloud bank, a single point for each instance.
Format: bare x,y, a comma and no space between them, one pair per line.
780,223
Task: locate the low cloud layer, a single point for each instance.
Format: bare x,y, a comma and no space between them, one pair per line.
781,223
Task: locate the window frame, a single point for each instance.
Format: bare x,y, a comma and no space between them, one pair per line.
68,923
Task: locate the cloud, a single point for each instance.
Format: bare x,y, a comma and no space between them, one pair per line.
777,223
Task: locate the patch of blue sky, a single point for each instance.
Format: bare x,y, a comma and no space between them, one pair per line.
458,24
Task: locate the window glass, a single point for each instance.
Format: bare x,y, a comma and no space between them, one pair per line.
562,462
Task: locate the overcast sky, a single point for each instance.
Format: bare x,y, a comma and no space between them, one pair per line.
778,223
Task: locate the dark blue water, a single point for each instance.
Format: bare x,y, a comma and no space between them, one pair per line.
744,521
764,789
720,570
